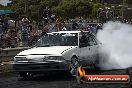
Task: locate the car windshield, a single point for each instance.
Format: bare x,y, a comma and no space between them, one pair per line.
58,39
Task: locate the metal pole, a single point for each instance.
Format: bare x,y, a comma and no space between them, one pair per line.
75,8
25,7
123,4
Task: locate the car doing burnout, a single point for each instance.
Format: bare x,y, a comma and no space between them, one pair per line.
58,51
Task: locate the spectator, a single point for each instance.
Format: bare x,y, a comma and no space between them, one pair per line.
24,35
5,26
53,18
14,38
25,31
2,41
51,27
46,27
45,20
8,39
34,37
45,15
49,13
64,28
30,27
44,32
58,23
25,20
74,26
93,29
1,31
98,27
11,39
88,28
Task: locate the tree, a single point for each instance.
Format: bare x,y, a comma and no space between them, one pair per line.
64,8
74,8
32,8
129,1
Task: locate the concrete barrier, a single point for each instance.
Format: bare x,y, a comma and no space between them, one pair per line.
8,53
6,58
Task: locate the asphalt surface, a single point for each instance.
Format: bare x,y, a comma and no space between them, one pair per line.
57,80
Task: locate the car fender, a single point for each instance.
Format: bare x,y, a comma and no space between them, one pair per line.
68,54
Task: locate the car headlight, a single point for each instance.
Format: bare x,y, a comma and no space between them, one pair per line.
18,59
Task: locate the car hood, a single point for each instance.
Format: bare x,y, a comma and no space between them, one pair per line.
53,50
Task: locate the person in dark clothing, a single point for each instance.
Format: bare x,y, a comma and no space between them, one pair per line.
49,13
5,26
2,41
44,32
74,26
24,35
83,39
30,27
11,39
45,15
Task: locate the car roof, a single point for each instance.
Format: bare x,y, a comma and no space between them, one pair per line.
69,31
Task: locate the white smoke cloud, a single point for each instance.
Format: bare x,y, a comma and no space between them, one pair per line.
116,39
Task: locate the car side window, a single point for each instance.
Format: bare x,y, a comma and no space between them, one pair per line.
92,40
83,40
87,39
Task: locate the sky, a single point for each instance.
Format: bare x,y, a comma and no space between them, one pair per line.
4,2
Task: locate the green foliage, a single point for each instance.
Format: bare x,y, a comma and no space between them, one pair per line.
63,8
96,6
129,1
74,8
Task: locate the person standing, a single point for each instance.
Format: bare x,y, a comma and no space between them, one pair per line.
2,41
11,39
25,31
58,24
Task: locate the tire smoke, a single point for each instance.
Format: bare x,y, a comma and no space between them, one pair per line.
116,49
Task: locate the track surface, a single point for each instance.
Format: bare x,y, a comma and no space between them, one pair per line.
58,80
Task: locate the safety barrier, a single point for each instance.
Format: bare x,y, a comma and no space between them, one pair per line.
6,57
8,53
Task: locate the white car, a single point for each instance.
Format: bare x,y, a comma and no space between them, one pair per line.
58,51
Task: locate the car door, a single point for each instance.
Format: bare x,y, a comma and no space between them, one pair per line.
84,49
93,45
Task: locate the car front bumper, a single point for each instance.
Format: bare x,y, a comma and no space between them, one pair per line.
41,67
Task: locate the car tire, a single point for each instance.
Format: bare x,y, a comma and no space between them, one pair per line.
25,75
